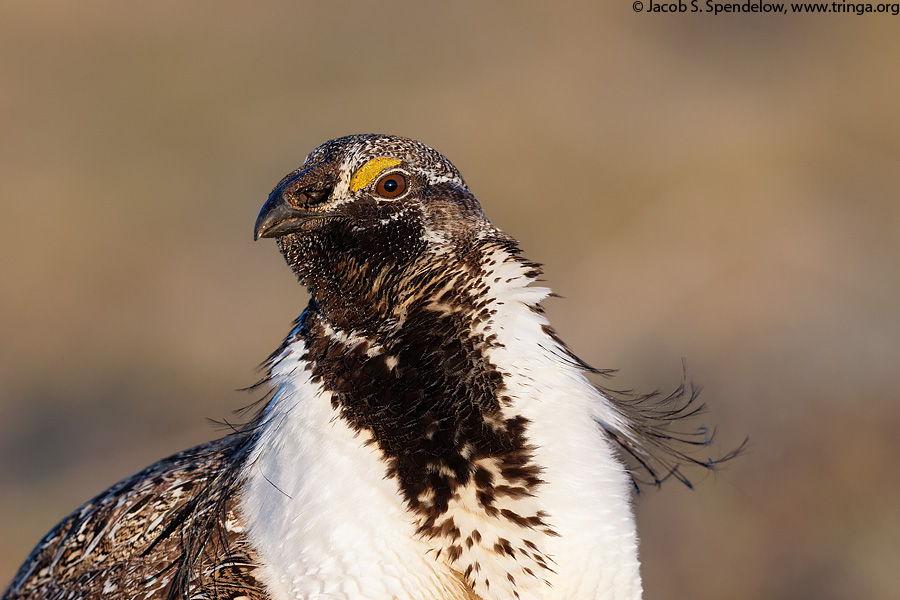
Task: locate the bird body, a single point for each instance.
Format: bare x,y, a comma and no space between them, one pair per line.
339,527
428,435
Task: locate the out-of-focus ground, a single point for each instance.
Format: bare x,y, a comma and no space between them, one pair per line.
720,189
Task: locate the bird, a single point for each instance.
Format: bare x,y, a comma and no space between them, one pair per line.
424,435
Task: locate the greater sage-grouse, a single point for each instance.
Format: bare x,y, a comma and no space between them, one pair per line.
427,435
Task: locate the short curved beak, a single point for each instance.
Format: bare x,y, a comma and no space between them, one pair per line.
277,217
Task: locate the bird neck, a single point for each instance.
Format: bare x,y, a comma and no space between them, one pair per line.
454,441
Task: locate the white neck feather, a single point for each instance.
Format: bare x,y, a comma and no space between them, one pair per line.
587,492
328,524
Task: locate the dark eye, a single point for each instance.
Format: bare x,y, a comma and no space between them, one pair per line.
391,185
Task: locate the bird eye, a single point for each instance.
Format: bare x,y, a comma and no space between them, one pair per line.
391,185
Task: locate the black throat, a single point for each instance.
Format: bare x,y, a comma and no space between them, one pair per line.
419,380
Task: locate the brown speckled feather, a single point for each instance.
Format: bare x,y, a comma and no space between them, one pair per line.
170,531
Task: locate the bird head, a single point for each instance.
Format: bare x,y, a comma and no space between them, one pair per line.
363,211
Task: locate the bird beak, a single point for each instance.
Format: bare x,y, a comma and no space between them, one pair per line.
278,218
298,199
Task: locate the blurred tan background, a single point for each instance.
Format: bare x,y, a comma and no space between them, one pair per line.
720,189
